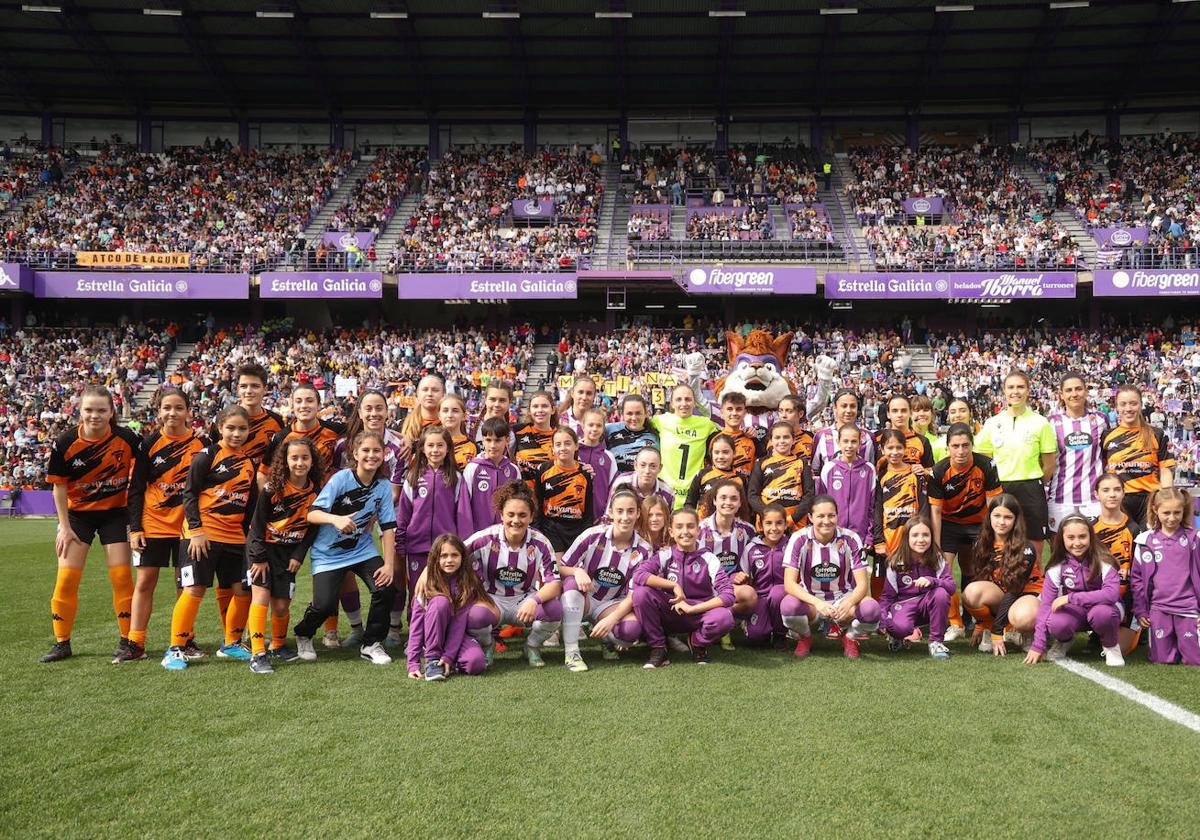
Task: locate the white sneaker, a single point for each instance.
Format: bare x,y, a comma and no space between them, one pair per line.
375,654
678,645
555,640
1113,657
985,642
1058,651
331,640
305,649
954,632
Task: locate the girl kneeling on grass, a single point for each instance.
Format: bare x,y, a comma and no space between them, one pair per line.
280,536
347,510
1080,591
826,577
1166,579
763,561
682,589
917,587
516,564
1008,577
443,597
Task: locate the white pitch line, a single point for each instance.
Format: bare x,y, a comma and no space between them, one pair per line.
1159,706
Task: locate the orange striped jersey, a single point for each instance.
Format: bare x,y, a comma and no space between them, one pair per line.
564,495
803,445
263,427
1118,539
325,436
1032,572
159,477
917,450
464,450
281,518
96,472
1137,466
219,498
899,496
533,450
745,450
963,494
784,480
703,482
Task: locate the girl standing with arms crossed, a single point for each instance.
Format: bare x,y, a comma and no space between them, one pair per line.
1166,580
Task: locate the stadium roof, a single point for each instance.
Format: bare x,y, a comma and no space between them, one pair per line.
385,59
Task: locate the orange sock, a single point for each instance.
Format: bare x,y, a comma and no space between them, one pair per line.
982,616
138,637
956,611
279,630
331,623
258,628
224,596
235,619
183,618
64,603
121,578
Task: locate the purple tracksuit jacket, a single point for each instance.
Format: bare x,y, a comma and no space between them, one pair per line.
480,480
419,636
1070,578
698,572
426,511
1166,573
764,564
853,487
605,466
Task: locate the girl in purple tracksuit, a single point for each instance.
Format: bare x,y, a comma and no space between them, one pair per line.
485,474
592,451
826,576
682,589
442,601
917,588
1166,579
726,536
763,561
430,500
1080,590
850,480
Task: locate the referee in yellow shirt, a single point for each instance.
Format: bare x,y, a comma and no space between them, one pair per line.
1023,445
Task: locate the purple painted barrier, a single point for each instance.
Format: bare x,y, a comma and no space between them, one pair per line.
31,502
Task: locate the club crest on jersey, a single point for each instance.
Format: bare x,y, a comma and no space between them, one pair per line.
695,568
760,563
422,491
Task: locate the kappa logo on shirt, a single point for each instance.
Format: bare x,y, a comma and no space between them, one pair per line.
159,461
79,462
222,468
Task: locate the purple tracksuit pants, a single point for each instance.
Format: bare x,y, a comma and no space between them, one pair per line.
653,609
1173,639
932,608
766,617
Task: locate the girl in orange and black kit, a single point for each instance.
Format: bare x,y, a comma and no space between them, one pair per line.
564,494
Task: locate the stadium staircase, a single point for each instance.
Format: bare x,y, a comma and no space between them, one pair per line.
391,234
350,180
611,225
678,223
922,362
142,398
539,367
1064,217
858,252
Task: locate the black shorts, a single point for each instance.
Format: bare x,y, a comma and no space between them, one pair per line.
161,552
1134,505
562,534
112,526
225,561
1032,496
280,581
956,535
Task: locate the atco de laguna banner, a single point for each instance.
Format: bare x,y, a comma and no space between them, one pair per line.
1120,237
317,284
342,241
120,259
487,286
1015,285
141,285
1149,282
749,280
923,206
533,208
15,277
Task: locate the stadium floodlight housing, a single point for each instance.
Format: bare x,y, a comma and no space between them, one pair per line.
501,15
389,15
613,15
50,9
954,8
274,14
163,12
726,13
1071,4
838,11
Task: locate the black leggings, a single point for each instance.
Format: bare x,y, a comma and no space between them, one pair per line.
327,586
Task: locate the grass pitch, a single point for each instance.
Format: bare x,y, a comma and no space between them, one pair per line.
757,744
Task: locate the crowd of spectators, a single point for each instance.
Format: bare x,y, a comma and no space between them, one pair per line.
464,221
810,223
226,208
992,216
752,221
394,173
26,169
782,174
649,225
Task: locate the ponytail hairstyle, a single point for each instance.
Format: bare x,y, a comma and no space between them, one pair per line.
381,470
1145,433
626,493
461,404
1097,552
599,412
413,423
437,582
774,507
161,394
228,411
419,463
675,514
903,559
1008,560
708,504
569,400
1168,494
277,477
355,426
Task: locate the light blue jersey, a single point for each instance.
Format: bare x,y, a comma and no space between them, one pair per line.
368,505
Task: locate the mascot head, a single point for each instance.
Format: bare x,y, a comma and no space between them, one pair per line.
756,369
